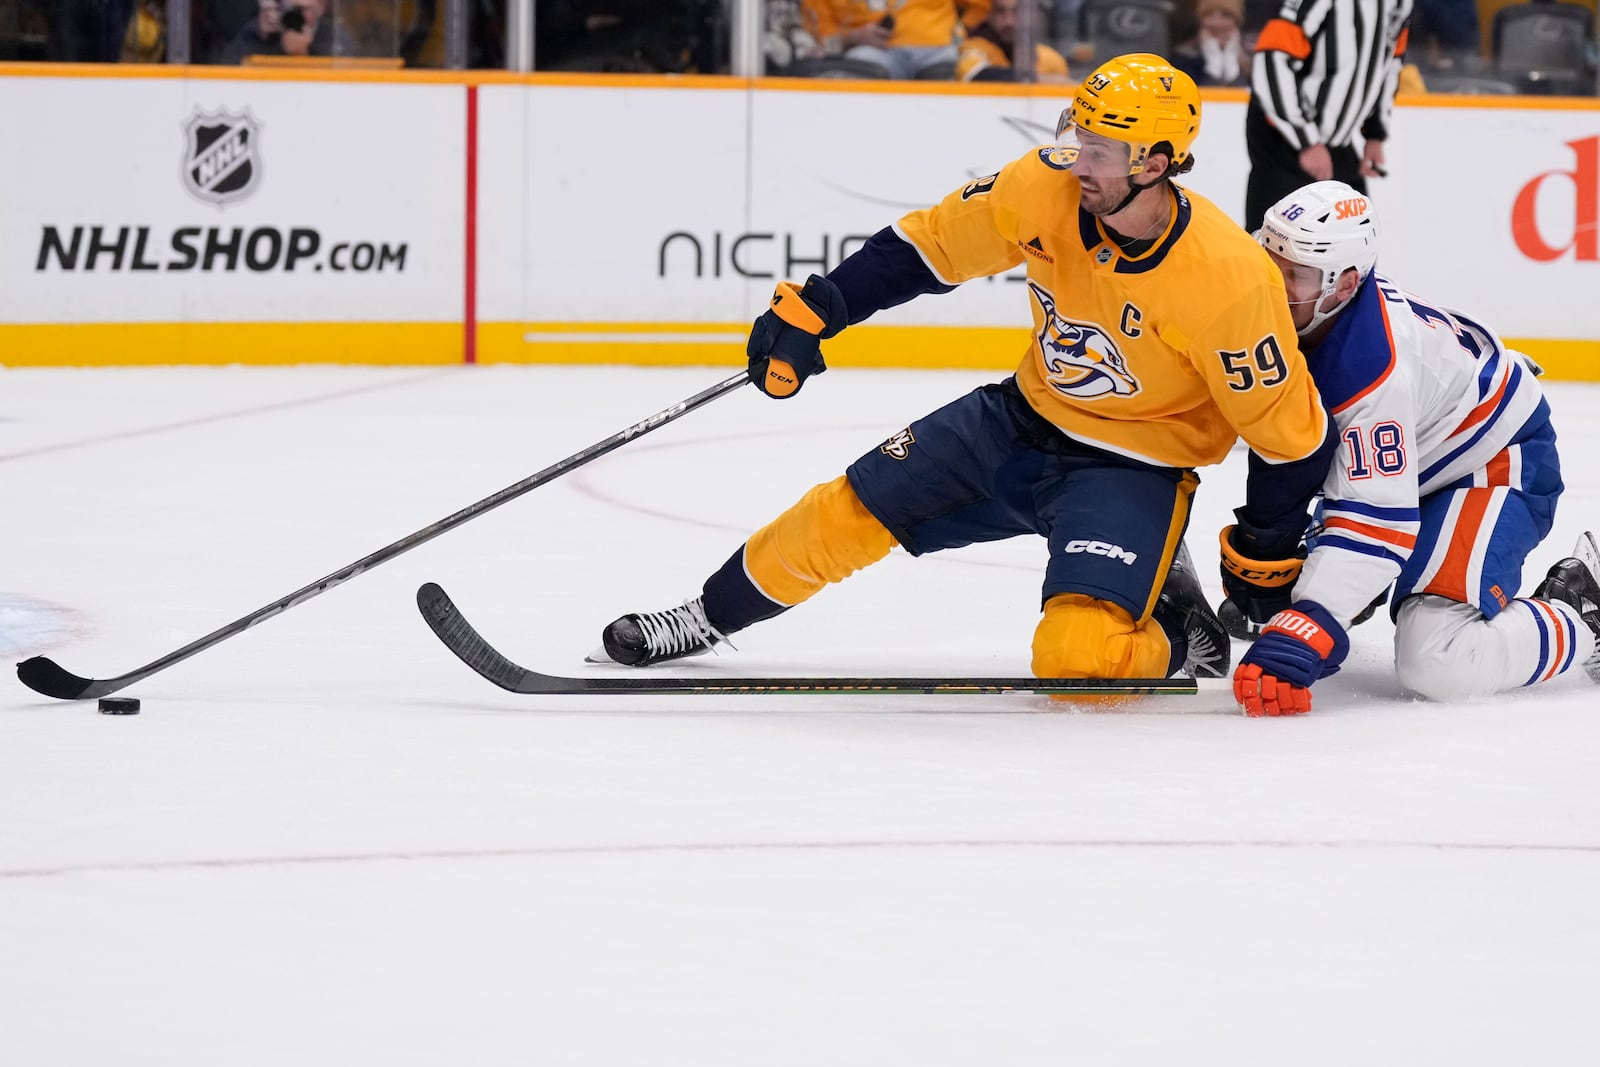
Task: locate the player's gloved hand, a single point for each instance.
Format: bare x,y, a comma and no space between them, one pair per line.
1259,567
1299,645
785,343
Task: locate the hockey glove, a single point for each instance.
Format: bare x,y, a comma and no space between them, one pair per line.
1259,568
785,343
1299,645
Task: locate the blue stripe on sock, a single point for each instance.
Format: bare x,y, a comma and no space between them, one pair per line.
1544,642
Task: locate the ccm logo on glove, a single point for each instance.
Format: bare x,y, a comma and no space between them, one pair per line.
785,342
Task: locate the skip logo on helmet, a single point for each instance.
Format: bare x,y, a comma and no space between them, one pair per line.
1350,209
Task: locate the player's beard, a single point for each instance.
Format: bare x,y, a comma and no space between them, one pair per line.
1102,196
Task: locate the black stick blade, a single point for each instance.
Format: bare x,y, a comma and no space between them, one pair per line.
44,675
469,646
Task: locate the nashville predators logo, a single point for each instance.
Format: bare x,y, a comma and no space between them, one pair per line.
1080,359
899,445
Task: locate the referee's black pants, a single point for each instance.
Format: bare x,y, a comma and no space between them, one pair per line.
1275,167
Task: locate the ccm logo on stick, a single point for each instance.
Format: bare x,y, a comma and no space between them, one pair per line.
1102,548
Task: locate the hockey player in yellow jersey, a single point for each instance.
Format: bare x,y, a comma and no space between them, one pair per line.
1160,335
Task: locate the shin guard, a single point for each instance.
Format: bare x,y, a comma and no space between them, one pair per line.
825,537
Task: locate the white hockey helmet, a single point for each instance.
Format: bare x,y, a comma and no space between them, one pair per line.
1328,226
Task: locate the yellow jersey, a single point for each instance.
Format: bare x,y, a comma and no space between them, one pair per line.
917,23
982,52
1166,356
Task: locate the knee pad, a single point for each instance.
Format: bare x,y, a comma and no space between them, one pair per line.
825,537
1081,637
1446,650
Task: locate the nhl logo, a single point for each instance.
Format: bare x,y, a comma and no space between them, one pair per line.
220,162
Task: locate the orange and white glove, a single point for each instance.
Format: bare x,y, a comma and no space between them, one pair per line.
1297,646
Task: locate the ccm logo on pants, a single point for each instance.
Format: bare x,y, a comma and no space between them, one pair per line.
1102,548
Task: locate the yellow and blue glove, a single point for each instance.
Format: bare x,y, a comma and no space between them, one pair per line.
785,343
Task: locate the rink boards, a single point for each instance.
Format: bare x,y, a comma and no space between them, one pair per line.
214,216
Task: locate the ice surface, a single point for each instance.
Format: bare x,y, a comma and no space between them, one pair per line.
325,841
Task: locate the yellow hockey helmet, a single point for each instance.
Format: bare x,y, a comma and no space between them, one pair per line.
1141,100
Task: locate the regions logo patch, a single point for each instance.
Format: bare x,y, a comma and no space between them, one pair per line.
1080,358
1035,248
221,160
898,446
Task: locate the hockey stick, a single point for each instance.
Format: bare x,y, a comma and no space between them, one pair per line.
459,637
43,675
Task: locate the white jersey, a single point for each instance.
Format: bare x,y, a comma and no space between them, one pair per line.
1423,399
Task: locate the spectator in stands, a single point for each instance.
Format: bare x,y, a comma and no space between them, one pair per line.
989,48
1216,54
787,40
1445,34
627,36
904,38
145,40
290,28
66,31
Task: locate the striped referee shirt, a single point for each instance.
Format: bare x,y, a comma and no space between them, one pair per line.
1324,69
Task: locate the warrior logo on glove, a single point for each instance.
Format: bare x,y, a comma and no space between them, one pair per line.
1298,645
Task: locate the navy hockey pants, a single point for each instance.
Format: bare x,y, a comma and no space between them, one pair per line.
987,467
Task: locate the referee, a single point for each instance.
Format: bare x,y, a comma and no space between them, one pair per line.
1323,71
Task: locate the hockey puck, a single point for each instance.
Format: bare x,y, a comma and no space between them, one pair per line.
119,705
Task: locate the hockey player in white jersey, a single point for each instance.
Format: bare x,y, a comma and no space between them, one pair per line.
1446,479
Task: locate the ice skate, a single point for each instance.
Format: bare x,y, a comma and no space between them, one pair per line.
1235,624
644,639
1182,609
1572,581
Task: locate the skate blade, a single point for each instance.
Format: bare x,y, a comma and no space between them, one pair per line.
1588,552
599,656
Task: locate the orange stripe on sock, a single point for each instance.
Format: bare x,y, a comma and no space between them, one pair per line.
1559,626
